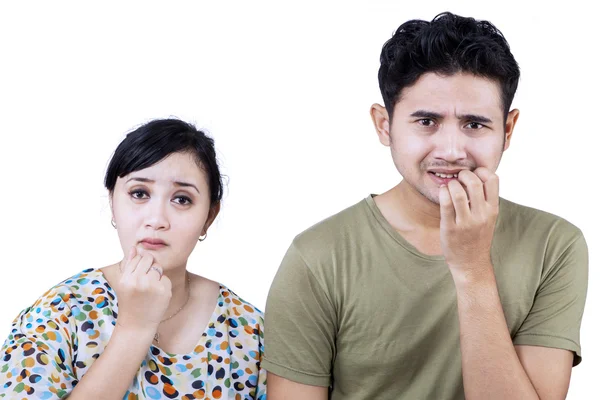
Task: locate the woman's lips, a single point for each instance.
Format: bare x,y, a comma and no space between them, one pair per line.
153,244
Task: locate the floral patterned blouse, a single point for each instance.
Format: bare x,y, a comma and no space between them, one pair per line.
54,342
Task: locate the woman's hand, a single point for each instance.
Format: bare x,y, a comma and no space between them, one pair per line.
144,293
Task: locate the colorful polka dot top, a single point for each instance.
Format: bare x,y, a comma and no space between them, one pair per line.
54,342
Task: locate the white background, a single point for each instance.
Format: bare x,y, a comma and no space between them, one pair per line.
285,90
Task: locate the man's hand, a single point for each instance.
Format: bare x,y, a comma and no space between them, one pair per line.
469,208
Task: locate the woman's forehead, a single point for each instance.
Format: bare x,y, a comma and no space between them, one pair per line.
177,167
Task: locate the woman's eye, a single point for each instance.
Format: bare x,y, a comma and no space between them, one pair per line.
139,194
183,200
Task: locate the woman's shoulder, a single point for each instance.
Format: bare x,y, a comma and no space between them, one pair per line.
87,288
241,312
68,304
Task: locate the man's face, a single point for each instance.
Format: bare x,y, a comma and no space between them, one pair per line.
444,124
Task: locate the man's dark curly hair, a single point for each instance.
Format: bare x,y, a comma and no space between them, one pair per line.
447,45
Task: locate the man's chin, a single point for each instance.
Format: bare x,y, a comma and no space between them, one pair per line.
431,197
435,200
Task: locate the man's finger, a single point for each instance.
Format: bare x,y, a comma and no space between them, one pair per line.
491,184
446,207
474,188
459,200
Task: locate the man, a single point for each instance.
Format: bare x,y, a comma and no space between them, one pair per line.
438,288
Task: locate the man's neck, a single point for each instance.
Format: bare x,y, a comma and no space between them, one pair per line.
413,216
407,210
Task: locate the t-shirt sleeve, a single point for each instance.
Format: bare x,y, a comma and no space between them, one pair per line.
555,317
36,360
300,324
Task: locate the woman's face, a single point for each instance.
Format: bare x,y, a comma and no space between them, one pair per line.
163,209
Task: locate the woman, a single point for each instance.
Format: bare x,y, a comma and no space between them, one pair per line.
144,328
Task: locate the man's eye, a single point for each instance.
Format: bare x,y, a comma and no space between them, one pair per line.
426,122
474,125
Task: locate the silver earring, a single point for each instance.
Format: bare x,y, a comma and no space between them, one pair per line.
201,239
113,223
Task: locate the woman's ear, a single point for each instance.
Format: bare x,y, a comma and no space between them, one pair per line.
110,204
212,215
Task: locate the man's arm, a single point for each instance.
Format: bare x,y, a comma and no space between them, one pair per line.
548,369
284,389
300,329
492,367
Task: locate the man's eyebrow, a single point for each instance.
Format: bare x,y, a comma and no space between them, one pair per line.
426,114
469,117
475,118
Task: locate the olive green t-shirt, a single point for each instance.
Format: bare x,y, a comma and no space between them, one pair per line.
357,308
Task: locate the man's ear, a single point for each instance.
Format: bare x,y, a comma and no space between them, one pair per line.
511,121
381,121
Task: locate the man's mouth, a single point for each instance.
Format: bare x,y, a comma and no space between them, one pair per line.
445,176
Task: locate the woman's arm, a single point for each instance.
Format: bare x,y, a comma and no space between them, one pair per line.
40,357
143,298
112,373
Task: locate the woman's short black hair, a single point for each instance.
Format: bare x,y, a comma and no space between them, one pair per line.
156,140
446,45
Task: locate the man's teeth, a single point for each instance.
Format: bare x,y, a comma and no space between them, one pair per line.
446,175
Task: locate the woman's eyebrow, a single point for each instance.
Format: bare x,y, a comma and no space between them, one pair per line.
177,183
186,184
